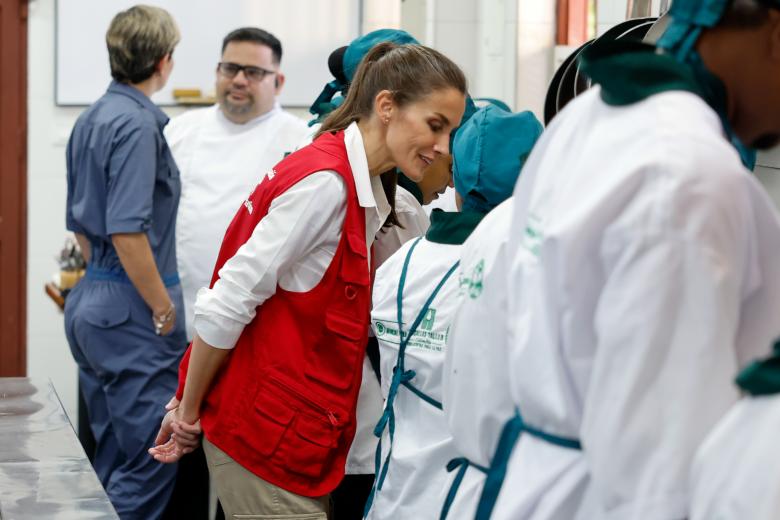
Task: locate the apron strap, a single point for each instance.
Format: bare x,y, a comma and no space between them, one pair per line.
462,464
506,443
401,377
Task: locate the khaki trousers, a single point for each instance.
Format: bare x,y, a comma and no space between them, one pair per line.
245,495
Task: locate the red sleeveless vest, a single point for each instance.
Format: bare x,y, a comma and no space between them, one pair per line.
283,406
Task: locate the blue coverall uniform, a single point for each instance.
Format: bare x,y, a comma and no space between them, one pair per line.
122,178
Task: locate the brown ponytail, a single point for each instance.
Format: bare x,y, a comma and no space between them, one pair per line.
409,72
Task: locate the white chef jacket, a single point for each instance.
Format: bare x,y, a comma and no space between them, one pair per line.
414,223
220,163
416,480
735,473
291,247
643,276
473,372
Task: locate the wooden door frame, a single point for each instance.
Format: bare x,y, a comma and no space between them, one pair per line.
572,22
13,187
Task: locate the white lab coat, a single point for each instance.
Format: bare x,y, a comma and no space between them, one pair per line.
641,275
220,163
473,373
417,475
735,474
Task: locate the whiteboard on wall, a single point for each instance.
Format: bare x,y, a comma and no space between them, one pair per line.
308,29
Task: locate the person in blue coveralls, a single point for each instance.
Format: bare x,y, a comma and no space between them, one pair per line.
121,320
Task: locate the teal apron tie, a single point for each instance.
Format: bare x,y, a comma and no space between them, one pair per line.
497,471
401,377
462,464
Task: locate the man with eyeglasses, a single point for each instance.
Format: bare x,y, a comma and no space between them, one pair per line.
225,149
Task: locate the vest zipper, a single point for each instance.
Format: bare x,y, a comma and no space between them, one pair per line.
332,418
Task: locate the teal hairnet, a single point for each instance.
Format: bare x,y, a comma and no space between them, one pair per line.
689,18
488,154
360,47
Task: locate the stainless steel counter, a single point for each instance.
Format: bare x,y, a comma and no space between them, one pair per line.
44,472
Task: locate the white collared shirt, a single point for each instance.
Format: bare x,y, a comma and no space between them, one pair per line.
291,247
220,163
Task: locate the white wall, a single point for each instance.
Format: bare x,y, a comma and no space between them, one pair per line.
535,46
48,355
503,46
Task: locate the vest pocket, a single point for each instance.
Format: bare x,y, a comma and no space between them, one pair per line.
333,360
356,271
273,417
312,446
312,431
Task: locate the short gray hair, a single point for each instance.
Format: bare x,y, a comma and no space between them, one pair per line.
137,40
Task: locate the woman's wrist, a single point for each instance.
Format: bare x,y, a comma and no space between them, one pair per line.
187,415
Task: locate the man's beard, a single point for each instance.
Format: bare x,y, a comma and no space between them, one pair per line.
234,109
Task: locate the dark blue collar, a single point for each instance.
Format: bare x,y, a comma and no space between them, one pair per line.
142,99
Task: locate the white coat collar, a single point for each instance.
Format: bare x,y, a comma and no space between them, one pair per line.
369,189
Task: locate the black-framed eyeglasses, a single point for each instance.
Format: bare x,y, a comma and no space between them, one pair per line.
252,73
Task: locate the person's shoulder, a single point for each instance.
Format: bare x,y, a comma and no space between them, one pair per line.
405,202
192,116
114,116
183,124
676,139
495,222
392,266
490,233
328,185
292,123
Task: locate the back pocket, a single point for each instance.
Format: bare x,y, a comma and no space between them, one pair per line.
106,316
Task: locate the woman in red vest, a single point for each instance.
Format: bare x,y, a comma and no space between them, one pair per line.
274,370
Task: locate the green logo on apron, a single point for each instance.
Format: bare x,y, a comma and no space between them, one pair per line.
472,285
427,322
